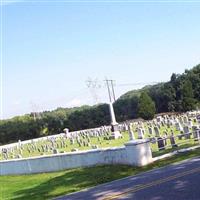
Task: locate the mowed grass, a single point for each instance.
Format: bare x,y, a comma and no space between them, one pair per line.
50,185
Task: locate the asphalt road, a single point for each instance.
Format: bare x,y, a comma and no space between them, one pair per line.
175,182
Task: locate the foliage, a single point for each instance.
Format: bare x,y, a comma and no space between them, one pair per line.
146,107
126,108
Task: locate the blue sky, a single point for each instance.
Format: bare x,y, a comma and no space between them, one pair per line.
50,49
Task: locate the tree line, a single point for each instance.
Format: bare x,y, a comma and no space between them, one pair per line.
180,94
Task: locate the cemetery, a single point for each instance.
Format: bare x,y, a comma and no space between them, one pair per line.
103,145
99,100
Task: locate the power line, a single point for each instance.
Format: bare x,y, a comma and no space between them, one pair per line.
139,83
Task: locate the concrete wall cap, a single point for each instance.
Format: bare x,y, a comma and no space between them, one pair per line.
137,142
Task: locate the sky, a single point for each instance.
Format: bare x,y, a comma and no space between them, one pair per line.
49,49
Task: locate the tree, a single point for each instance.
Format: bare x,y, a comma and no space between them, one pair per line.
126,108
164,96
188,101
146,107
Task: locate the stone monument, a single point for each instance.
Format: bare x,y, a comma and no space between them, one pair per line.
114,125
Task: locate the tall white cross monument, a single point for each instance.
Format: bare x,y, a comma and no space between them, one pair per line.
114,125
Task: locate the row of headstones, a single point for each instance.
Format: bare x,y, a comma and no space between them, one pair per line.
178,121
6,153
89,132
186,124
10,153
155,129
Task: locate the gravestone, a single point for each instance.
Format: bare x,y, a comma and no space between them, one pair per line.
140,134
198,133
88,144
150,129
190,124
172,141
159,119
55,151
74,150
19,144
5,153
165,136
186,132
179,127
161,144
162,123
43,149
18,156
71,141
126,127
131,134
157,131
198,118
194,132
168,125
28,149
181,120
95,147
185,119
180,136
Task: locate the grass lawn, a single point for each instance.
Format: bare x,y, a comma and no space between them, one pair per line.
49,185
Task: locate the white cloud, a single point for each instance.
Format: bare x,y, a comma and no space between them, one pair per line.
74,102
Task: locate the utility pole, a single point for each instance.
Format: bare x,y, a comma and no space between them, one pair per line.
114,125
111,91
108,86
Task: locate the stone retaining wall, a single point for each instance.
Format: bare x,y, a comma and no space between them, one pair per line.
137,153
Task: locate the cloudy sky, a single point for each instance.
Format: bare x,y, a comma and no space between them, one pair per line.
51,48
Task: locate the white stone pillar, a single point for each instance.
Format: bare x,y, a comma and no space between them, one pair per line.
138,152
112,114
114,125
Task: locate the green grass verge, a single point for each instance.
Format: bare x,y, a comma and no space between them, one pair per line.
49,185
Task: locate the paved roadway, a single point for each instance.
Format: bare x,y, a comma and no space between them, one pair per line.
175,182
